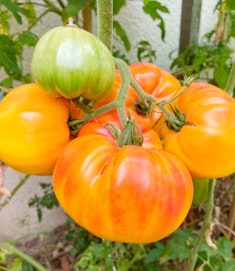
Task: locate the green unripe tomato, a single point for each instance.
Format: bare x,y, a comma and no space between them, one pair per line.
71,62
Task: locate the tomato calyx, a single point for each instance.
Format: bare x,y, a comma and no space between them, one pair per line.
144,106
131,134
177,120
75,125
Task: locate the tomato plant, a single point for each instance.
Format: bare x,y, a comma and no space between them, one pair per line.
71,62
205,143
100,187
33,128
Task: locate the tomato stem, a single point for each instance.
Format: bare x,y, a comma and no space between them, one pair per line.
130,135
187,82
16,188
105,22
10,248
231,80
70,22
174,122
206,224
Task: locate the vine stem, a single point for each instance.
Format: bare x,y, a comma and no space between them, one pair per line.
17,187
105,22
10,248
170,117
206,224
119,102
231,79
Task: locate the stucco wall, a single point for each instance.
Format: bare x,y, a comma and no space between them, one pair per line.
16,219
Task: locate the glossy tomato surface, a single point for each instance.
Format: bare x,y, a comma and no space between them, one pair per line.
206,142
154,81
33,129
71,62
129,194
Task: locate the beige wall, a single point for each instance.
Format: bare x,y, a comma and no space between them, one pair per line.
16,218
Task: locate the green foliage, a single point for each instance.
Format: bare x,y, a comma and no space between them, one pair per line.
212,58
47,200
154,9
211,61
121,33
13,262
165,255
117,6
145,52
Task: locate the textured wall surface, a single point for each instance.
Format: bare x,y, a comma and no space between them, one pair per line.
16,219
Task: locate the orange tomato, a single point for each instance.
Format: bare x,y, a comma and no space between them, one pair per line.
126,194
206,142
33,129
154,81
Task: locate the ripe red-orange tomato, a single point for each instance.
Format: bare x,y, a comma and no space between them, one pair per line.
33,129
206,142
153,80
127,194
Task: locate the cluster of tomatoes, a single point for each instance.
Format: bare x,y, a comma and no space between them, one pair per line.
118,189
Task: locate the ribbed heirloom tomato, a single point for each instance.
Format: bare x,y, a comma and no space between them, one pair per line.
127,194
206,142
71,62
33,129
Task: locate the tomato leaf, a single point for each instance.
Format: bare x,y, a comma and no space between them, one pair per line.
8,59
117,5
154,253
178,247
146,52
122,34
27,266
13,8
153,8
5,25
228,265
17,264
29,12
230,4
72,9
28,38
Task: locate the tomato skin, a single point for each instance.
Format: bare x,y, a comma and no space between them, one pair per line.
154,81
99,126
33,129
148,75
71,62
206,142
128,194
